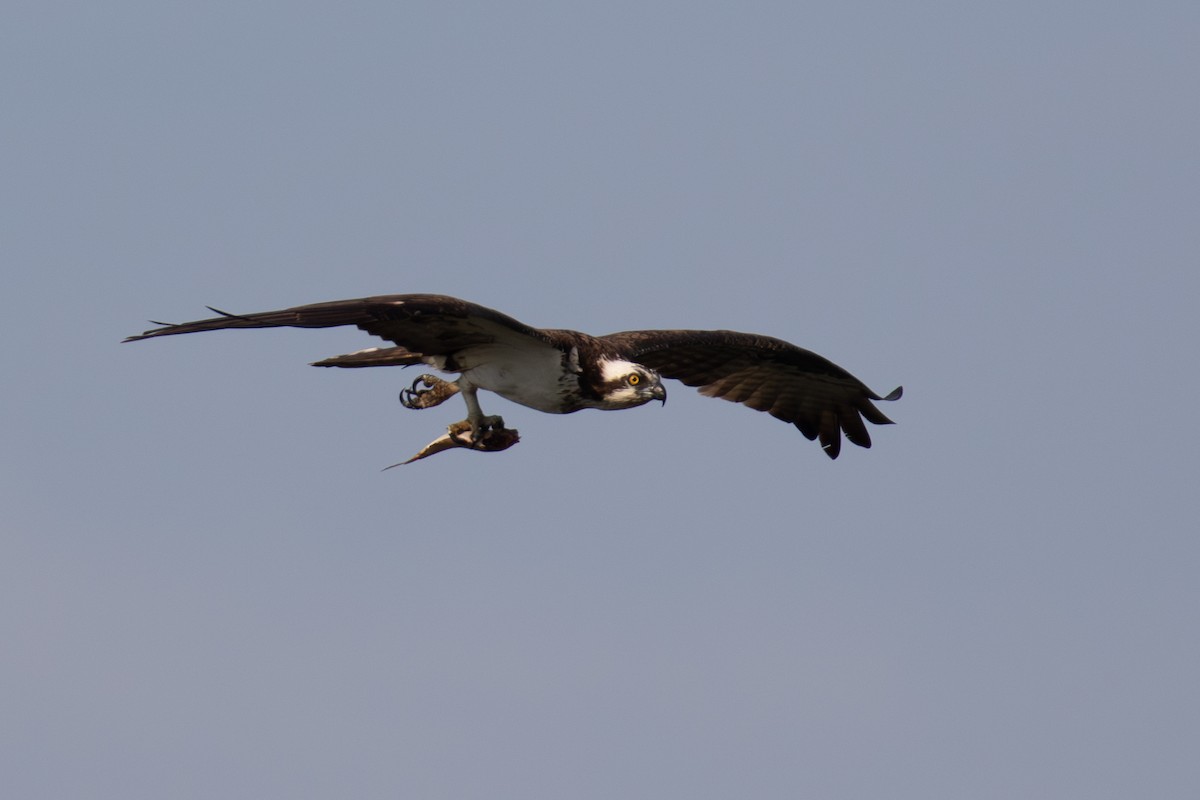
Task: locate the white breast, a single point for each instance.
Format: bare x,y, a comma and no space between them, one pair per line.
533,377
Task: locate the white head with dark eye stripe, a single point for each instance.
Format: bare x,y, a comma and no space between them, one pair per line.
624,384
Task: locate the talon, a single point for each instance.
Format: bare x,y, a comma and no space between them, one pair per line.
410,397
481,426
436,390
457,430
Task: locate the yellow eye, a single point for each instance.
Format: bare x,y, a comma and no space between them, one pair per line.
634,379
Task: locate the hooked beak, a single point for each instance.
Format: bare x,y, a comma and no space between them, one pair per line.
660,394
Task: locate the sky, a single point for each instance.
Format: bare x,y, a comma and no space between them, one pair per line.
209,588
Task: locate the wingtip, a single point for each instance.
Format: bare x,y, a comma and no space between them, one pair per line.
150,334
147,334
895,394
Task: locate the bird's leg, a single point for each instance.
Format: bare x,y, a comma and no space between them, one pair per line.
436,391
478,423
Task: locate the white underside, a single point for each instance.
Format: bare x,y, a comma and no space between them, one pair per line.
534,378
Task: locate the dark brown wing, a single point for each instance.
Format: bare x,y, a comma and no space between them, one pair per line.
420,324
788,382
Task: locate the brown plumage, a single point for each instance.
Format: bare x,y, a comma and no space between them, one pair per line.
788,382
564,371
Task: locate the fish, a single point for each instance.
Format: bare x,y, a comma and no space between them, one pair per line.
490,440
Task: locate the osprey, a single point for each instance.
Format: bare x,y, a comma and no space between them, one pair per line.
562,371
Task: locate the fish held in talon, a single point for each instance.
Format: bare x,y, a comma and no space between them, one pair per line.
460,435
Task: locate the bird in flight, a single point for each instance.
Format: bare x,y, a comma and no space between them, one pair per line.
563,371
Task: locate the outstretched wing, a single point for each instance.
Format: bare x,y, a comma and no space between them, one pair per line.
421,325
788,382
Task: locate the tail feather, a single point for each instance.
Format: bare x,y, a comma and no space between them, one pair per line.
373,357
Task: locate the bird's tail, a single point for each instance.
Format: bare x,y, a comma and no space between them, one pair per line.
373,357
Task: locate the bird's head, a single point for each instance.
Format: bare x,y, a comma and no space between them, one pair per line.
624,384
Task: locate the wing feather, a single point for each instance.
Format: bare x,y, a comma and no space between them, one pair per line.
792,384
419,324
851,423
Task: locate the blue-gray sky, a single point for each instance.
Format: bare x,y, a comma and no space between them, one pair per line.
209,589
